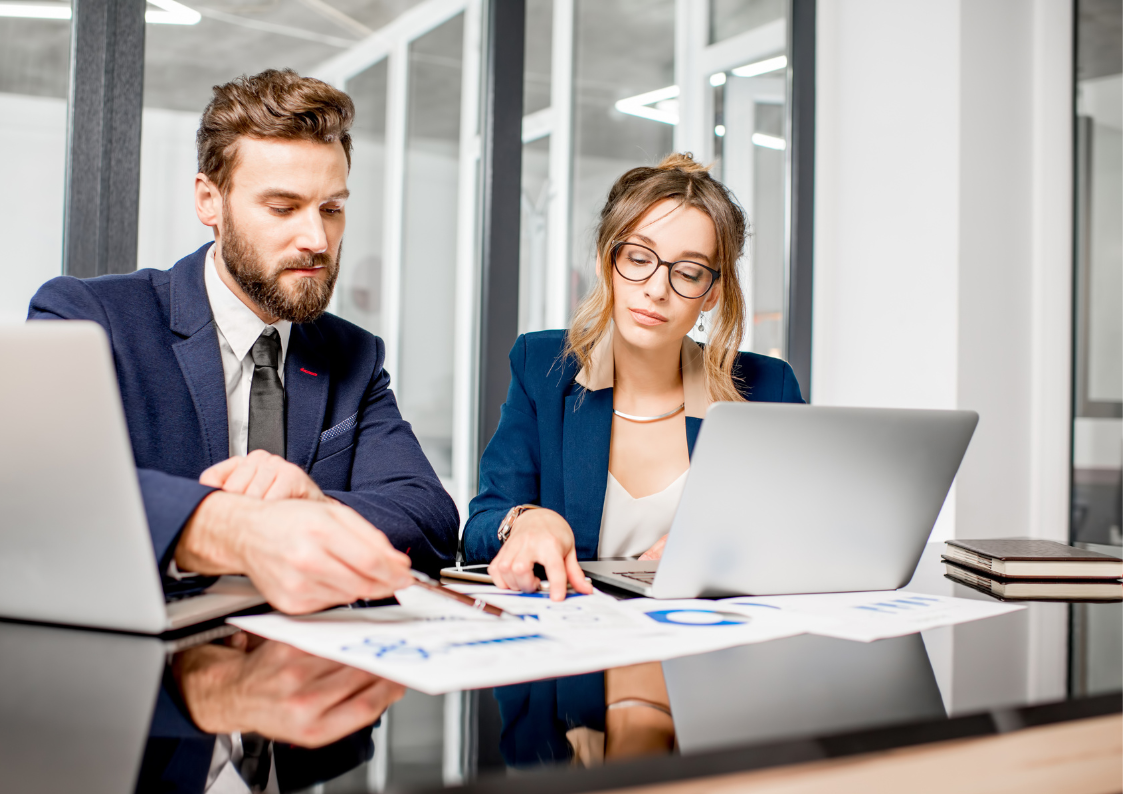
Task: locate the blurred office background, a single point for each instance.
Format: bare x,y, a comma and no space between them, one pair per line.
935,190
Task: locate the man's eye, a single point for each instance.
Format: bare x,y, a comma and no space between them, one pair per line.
332,210
281,210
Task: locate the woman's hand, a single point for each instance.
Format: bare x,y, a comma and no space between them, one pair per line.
544,537
656,551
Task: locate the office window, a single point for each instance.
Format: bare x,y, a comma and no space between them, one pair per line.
538,195
1097,475
34,80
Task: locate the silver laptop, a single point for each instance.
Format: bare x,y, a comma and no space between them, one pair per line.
788,498
75,548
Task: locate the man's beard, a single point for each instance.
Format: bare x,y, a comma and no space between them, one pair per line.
305,302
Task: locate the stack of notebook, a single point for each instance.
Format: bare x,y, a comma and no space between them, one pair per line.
1034,569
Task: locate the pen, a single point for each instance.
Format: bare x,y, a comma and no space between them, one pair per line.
478,604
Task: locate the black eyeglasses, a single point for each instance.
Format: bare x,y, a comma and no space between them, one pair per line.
635,262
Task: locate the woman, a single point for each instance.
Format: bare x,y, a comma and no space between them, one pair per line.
593,445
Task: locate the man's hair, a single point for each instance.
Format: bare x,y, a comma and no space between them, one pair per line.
274,104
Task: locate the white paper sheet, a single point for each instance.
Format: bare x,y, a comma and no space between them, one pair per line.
869,616
434,646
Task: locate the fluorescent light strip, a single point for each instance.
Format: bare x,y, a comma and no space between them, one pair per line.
762,67
35,10
170,12
769,141
638,105
717,79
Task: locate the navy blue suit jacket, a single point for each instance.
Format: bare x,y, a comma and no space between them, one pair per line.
342,422
551,446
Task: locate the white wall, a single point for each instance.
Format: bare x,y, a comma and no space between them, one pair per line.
943,236
32,175
943,251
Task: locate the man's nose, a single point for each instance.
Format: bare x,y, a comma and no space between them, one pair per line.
312,236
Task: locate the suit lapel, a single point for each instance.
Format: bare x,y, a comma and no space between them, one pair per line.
693,425
306,394
197,354
587,431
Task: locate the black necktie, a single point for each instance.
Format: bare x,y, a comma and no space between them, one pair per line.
257,757
267,395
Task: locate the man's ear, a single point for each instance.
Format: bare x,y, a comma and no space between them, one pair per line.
208,201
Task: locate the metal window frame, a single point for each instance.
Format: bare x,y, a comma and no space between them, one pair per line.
500,204
106,97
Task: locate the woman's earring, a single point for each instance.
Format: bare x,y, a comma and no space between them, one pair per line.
701,326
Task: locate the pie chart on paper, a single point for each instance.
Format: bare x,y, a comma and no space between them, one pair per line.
698,617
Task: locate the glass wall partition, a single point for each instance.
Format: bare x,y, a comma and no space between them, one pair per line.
624,110
34,81
1097,467
358,295
426,366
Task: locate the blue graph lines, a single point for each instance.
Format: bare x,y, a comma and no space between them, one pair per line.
402,650
898,606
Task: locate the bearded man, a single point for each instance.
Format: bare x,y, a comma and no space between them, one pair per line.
267,439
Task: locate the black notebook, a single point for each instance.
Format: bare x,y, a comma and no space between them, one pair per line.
1018,558
1036,589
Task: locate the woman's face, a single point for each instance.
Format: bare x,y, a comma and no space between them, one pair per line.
650,314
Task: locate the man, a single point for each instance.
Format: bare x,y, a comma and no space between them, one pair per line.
266,437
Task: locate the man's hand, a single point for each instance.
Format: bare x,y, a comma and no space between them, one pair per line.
539,536
302,555
280,692
656,551
264,476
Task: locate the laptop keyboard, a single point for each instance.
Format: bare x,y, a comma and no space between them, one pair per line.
647,577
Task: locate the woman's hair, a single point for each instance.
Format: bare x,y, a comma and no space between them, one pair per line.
277,103
681,178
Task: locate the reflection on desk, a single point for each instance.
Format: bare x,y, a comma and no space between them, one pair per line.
94,711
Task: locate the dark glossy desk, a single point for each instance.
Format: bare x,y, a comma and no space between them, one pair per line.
96,711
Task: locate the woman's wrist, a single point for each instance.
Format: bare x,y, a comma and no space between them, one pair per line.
508,523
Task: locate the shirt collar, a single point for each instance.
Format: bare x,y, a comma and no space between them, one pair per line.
601,372
235,320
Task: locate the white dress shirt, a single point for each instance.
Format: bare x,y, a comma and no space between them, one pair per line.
238,329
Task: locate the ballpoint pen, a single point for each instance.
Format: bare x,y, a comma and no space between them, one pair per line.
427,582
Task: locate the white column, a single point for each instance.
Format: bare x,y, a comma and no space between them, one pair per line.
558,264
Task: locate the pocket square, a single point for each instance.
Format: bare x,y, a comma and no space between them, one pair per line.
345,426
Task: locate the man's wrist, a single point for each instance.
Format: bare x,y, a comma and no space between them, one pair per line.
211,541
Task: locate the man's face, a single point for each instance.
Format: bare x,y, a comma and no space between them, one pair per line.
281,225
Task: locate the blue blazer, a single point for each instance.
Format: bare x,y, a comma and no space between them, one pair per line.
342,422
551,447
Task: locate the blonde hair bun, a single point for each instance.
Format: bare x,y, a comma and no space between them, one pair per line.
682,161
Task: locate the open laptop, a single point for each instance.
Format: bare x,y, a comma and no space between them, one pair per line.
75,547
788,498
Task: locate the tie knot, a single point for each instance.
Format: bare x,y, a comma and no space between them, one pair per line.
266,351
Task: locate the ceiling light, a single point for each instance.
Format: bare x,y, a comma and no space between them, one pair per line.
717,79
35,10
167,12
172,13
663,100
762,67
769,141
719,130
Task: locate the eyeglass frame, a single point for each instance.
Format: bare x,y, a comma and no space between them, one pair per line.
616,246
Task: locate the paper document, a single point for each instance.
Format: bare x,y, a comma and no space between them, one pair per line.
435,645
869,616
